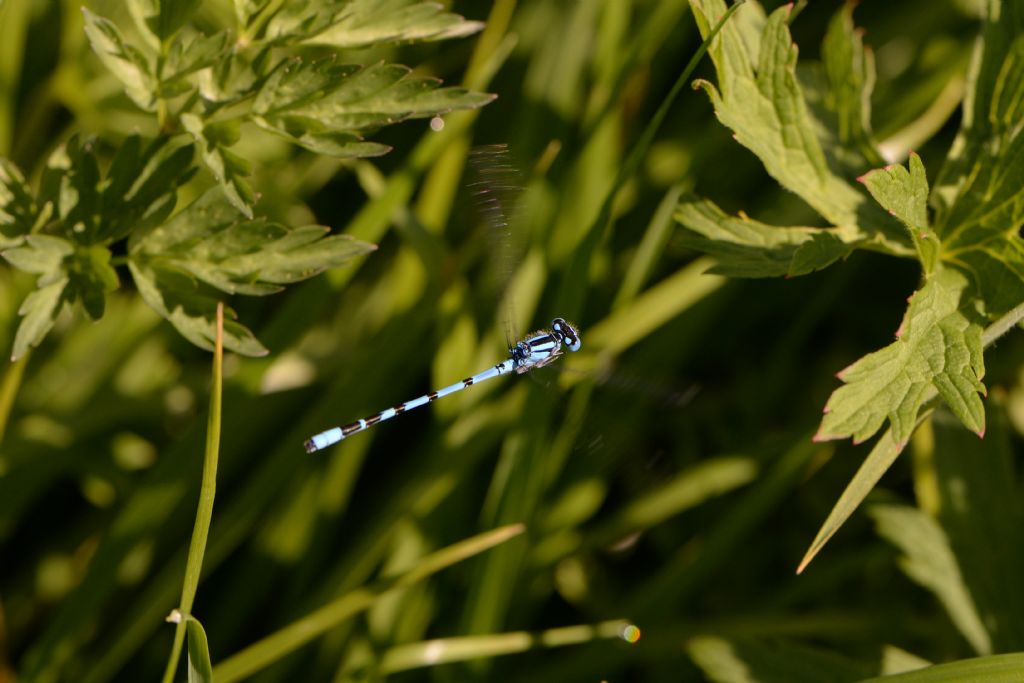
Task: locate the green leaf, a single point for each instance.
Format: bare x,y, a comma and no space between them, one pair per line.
937,347
362,23
228,168
78,194
979,507
994,669
979,194
130,64
166,17
41,254
18,209
929,561
91,278
39,309
325,105
140,188
904,194
993,106
208,244
743,247
883,454
746,659
84,271
264,652
849,71
245,10
236,75
191,308
209,240
760,99
200,670
191,52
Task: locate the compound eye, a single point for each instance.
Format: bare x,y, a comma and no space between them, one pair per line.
567,333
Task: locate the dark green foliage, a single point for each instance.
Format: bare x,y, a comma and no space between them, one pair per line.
159,158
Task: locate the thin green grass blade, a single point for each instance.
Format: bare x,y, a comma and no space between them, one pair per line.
571,295
447,650
655,307
655,237
272,648
204,513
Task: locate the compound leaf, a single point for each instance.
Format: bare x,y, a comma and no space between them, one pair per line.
904,194
209,246
191,308
130,64
18,211
743,247
230,170
361,23
938,349
189,53
40,310
760,99
325,106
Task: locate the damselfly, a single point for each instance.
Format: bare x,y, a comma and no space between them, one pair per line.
535,351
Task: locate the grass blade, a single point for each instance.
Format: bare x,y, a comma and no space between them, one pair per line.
274,647
446,650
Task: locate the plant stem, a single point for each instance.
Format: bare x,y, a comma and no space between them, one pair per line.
204,513
9,389
1002,326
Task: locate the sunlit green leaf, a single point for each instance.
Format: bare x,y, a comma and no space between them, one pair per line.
236,75
132,66
849,71
245,10
904,194
938,346
212,242
994,669
191,52
170,16
760,99
326,105
743,247
141,184
360,23
17,206
191,308
209,244
39,309
42,254
230,170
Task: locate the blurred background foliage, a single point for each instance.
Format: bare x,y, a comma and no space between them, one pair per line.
665,474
